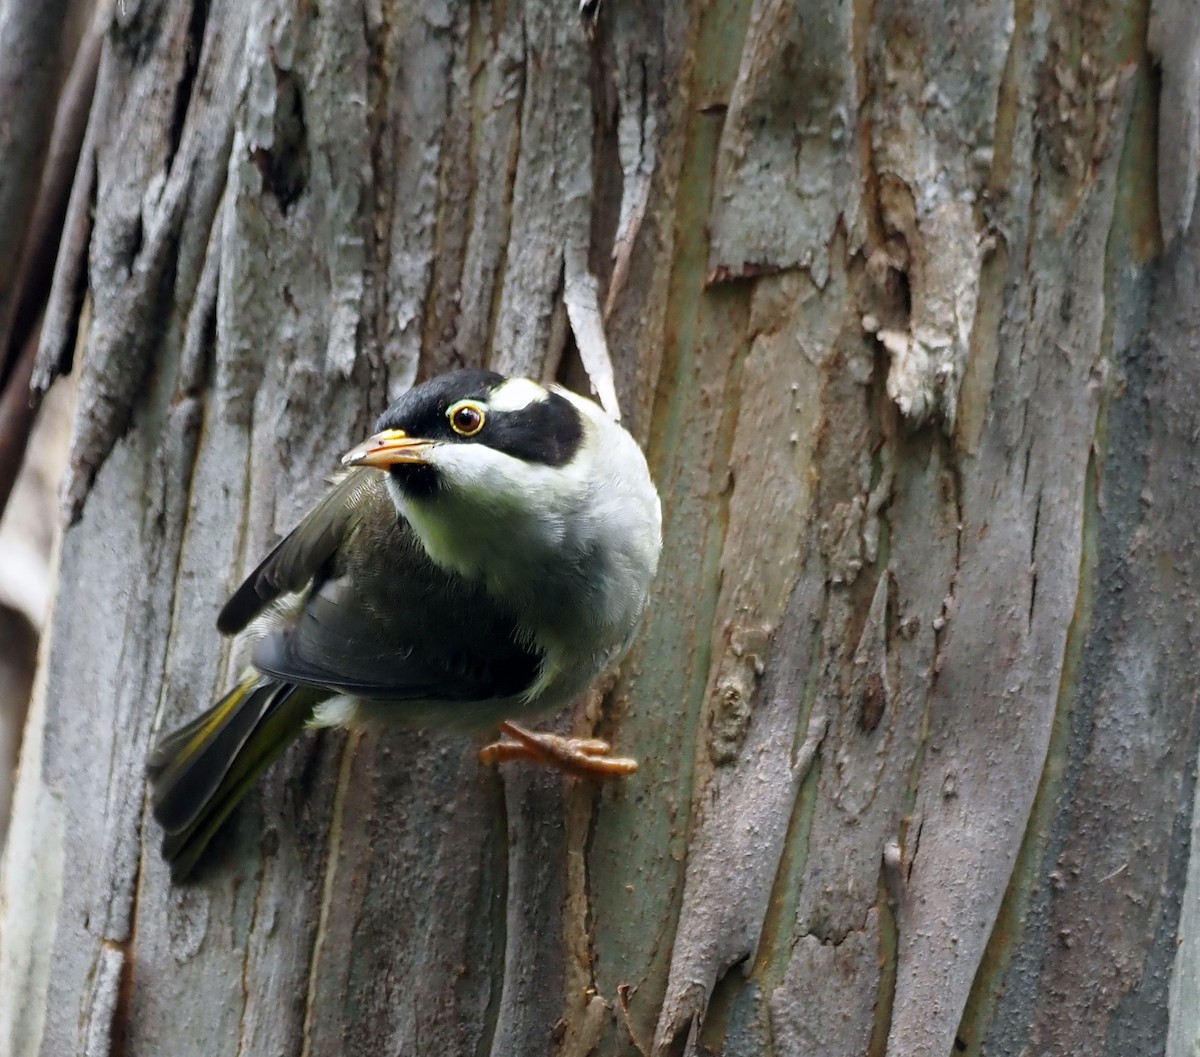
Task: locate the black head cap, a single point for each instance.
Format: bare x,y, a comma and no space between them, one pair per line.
421,412
546,430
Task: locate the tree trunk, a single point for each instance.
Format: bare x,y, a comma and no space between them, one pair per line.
902,303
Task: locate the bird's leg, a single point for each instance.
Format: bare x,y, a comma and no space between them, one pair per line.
586,757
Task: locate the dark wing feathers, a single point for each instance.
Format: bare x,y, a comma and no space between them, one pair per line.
380,621
299,556
339,644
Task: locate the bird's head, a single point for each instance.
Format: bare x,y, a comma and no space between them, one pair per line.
489,471
519,483
473,433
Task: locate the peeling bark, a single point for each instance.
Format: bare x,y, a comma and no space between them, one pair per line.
883,290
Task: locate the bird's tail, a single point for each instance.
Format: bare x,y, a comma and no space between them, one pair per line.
199,772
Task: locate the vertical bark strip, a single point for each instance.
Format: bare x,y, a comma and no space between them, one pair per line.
883,293
34,54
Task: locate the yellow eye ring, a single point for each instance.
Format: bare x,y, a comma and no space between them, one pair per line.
466,418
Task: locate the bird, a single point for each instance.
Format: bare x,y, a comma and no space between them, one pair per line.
477,563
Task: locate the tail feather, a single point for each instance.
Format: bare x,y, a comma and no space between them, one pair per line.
201,771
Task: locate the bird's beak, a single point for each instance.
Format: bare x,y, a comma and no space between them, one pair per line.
387,449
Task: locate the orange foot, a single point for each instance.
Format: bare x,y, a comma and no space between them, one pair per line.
585,757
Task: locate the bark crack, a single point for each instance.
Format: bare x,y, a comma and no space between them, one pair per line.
193,45
499,939
246,957
328,887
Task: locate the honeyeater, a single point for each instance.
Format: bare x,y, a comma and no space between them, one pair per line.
484,556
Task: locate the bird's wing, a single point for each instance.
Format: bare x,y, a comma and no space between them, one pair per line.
380,620
301,554
428,651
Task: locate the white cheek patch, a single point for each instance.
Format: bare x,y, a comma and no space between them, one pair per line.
491,499
491,479
517,394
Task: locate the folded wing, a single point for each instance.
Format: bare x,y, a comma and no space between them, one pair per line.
378,619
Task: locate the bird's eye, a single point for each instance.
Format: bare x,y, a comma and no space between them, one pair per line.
466,418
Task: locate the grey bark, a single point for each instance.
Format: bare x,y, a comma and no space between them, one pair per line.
885,294
34,41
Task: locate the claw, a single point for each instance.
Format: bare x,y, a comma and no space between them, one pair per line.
585,757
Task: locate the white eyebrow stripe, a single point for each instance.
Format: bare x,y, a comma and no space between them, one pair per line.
516,394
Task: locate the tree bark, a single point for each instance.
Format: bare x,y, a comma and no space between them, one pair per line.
901,301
